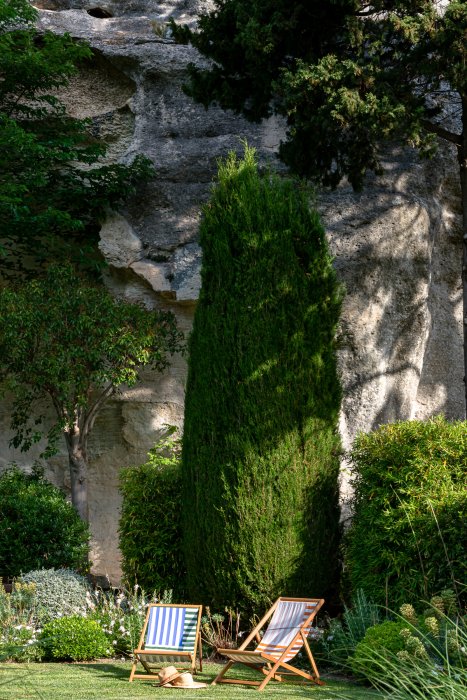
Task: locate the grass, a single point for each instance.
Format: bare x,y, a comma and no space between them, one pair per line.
109,681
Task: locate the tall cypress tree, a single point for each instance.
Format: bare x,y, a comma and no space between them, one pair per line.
260,450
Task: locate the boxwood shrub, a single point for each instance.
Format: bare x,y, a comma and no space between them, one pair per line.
409,529
378,642
39,527
75,638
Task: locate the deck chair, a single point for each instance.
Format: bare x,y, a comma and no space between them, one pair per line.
171,634
285,635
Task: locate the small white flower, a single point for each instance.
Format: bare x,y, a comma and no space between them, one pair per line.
114,642
121,628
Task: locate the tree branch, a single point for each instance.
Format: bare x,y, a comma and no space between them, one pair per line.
443,133
90,416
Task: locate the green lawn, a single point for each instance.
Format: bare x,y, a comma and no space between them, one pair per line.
109,681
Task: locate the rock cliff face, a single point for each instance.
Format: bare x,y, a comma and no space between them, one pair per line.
397,246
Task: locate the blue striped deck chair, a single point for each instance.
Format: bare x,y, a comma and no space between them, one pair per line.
286,634
171,634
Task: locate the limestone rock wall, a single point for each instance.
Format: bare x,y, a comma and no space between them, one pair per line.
397,247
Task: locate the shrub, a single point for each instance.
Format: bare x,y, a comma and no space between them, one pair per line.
121,617
58,592
260,447
150,530
75,638
409,527
431,666
220,631
379,641
18,624
39,527
340,642
437,633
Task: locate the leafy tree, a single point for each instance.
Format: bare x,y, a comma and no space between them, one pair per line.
69,341
52,189
346,74
260,458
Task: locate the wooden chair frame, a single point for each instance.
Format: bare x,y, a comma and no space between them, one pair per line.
272,666
185,656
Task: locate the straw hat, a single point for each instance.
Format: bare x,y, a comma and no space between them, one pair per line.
168,674
169,677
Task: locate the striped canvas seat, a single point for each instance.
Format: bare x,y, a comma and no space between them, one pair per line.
170,635
290,623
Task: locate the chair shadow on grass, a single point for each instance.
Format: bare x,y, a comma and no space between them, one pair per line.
120,672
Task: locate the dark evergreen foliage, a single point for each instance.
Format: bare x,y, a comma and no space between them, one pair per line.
260,449
341,72
347,76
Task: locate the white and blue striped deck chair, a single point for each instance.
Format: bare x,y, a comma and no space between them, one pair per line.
171,634
286,634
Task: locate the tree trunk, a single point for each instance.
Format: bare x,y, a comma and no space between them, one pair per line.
78,475
462,151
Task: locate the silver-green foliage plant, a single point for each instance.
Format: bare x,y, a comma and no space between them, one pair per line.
76,638
59,593
343,636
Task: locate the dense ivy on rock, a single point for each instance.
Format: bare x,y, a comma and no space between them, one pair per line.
53,188
260,449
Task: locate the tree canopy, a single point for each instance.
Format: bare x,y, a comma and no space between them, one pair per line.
347,75
65,340
53,189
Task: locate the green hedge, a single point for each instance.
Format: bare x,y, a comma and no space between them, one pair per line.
260,448
39,527
409,529
76,638
150,530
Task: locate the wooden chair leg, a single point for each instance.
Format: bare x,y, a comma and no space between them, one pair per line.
200,643
270,675
228,665
133,669
311,658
